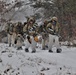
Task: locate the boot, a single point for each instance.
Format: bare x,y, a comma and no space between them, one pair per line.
19,48
43,48
59,50
33,51
50,51
26,50
46,46
12,45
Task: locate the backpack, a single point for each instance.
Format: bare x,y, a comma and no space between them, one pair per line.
36,39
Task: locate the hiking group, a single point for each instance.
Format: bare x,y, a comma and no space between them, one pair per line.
29,32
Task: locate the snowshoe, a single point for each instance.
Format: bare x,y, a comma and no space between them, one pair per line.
59,50
26,50
50,51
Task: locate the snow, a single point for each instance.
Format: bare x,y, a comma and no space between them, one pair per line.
40,63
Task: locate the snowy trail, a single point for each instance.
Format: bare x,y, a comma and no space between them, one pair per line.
41,62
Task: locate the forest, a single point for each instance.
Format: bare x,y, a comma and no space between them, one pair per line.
65,10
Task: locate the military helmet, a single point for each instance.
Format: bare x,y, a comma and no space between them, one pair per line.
31,19
54,18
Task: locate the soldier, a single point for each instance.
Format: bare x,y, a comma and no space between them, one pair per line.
9,30
53,29
14,35
30,28
44,34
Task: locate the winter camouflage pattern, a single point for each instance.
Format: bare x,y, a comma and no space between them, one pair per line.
18,34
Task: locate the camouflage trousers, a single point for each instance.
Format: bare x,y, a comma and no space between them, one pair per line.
11,39
32,44
44,40
53,40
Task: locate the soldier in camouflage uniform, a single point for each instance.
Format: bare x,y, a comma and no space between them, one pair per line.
53,29
9,30
44,34
14,35
19,28
30,29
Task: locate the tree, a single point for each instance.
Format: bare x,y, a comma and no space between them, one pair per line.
66,8
46,5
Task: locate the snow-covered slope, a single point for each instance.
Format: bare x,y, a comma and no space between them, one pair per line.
18,62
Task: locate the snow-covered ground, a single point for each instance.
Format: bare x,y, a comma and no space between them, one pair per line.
18,62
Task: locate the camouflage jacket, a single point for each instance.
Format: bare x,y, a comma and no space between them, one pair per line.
30,29
53,29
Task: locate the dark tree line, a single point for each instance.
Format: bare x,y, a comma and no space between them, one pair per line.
65,10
